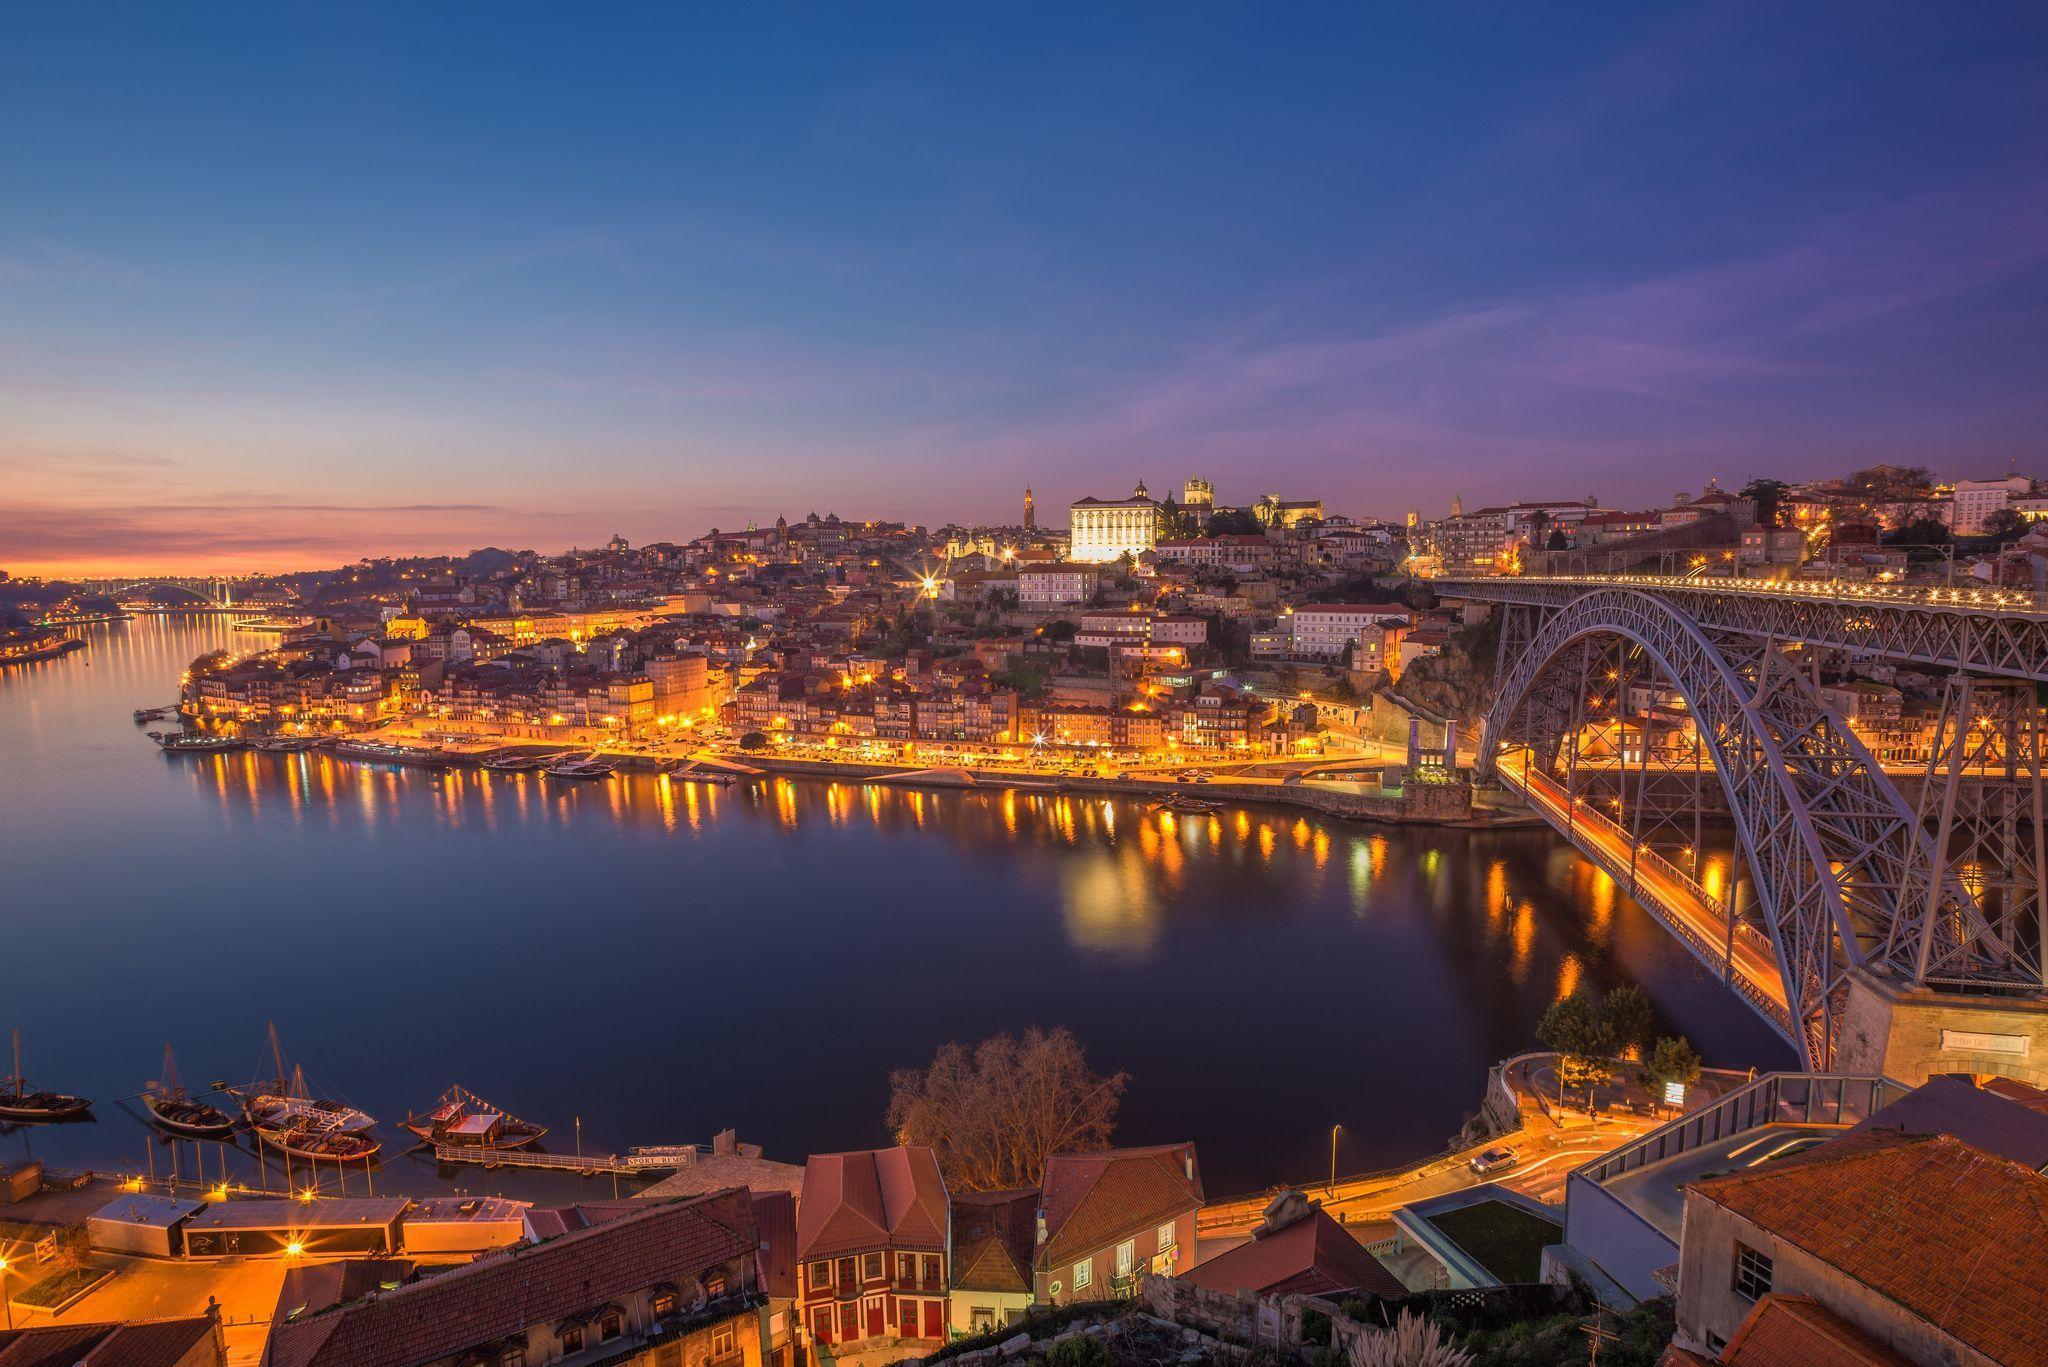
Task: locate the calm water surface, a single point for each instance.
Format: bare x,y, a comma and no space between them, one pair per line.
665,961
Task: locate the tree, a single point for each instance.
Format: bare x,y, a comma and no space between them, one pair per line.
1558,540
1890,483
1412,1342
1923,531
1673,1060
1769,496
753,740
996,1114
2003,526
1627,1015
1584,1043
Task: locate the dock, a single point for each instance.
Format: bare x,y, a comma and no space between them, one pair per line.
634,1163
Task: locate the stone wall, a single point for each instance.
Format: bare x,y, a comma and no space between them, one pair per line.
1908,1035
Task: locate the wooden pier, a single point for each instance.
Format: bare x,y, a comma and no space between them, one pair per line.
634,1163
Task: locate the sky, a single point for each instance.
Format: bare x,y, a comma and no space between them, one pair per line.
283,286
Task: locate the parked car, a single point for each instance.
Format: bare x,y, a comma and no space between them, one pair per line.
1493,1160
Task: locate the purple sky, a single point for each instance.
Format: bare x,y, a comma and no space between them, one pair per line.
282,291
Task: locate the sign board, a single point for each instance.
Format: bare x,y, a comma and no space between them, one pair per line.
1674,1094
46,1248
1970,1042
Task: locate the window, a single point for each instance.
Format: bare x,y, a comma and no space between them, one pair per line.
1084,1273
981,1319
1126,1257
821,1275
512,1357
1752,1273
572,1339
1166,1237
664,1304
714,1285
871,1267
931,1269
724,1343
906,1266
610,1327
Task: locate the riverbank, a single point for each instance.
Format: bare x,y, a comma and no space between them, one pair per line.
34,654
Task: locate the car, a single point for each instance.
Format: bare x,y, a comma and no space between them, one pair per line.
1493,1160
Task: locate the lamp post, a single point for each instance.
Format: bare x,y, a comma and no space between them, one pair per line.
3,1294
1334,1131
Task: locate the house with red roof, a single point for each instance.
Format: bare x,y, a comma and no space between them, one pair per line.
194,1341
664,1282
1107,1218
1297,1250
873,1237
1934,1248
993,1233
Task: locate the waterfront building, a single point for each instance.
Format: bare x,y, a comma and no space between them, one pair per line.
1106,529
674,1283
1105,1219
873,1242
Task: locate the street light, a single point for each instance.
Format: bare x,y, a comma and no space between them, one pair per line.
1334,1130
3,1295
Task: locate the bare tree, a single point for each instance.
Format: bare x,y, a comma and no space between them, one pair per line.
993,1116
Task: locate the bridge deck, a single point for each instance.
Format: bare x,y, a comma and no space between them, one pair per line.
1736,952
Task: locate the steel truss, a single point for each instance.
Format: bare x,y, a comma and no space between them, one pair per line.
1844,874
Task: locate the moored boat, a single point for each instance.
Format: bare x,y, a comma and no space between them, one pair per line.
19,1101
1189,806
173,1108
513,763
181,743
465,1120
715,777
384,752
581,769
283,1102
305,1139
286,745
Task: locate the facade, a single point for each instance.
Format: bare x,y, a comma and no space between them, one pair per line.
673,1285
1104,529
872,1243
992,1233
1977,499
1107,1218
1245,554
1042,588
1931,1246
1327,630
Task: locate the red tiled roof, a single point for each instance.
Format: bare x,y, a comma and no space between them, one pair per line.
1313,1256
1094,1200
1797,1331
876,1198
1951,1233
992,1237
505,1293
775,1218
143,1343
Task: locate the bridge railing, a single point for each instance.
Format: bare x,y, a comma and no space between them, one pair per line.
1664,908
1989,599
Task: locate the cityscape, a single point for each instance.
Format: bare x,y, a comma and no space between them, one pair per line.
1463,795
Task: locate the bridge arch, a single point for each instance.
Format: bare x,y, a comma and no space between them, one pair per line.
1832,849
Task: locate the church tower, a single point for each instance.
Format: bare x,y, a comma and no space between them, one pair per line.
1030,510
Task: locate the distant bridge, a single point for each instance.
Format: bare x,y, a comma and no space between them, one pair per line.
210,592
1904,936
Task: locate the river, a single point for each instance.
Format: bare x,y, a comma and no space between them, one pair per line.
662,961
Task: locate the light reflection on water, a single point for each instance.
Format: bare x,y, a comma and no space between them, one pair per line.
666,958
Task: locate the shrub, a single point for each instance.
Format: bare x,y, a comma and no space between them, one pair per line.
1082,1350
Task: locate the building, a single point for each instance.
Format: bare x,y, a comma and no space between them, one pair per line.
1327,630
1044,588
1935,1248
675,1283
992,1238
872,1239
1030,510
194,1341
1244,554
1975,500
1297,1250
1104,529
1198,494
1106,1218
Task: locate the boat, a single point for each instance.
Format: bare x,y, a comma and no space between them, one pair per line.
465,1120
286,745
173,1108
19,1101
712,776
149,714
581,768
307,1139
182,743
384,752
283,1102
1189,805
514,763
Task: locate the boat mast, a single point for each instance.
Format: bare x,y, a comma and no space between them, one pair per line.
169,1081
277,1055
19,1085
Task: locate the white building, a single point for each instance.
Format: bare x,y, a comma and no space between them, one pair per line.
1058,585
1977,499
1324,630
1103,529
